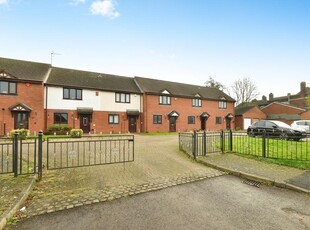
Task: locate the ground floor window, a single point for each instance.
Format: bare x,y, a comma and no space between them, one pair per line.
113,119
218,120
157,119
60,118
191,120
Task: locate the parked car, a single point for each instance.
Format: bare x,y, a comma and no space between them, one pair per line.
275,129
302,124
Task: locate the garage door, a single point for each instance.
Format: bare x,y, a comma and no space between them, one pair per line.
246,123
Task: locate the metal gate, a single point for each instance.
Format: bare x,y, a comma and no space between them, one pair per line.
71,153
201,143
18,156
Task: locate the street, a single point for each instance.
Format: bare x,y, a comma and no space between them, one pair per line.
223,202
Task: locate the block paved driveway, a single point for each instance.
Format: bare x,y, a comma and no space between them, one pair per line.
158,164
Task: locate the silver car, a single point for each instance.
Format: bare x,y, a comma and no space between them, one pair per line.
301,124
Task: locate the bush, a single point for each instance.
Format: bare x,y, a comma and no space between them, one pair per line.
22,133
58,129
77,133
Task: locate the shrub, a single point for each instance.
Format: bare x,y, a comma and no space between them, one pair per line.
22,133
77,133
58,129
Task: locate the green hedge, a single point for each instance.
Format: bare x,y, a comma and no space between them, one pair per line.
22,133
58,129
76,133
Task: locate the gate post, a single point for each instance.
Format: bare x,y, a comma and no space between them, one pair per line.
204,142
264,145
40,155
230,140
194,144
222,141
15,154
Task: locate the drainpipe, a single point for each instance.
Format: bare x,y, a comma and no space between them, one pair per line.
45,115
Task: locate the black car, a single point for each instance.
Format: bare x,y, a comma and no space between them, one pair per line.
275,129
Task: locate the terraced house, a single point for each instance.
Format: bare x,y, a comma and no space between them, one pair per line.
94,102
36,95
22,95
172,106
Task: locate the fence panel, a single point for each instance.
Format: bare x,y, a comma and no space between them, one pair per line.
26,156
272,147
202,143
6,156
71,153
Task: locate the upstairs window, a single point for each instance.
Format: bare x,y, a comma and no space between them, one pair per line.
72,94
122,97
164,100
60,118
222,105
196,102
7,87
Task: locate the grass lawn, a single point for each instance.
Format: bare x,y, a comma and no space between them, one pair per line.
290,153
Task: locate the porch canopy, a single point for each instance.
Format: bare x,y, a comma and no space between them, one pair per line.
84,110
132,112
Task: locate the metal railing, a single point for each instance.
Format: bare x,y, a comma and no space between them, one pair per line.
19,156
71,153
202,143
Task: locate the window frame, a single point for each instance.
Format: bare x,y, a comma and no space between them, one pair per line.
61,116
112,121
69,97
222,104
118,97
218,120
157,119
164,100
191,120
196,102
9,87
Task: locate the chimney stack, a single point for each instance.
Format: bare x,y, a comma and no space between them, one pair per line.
289,98
264,98
303,89
270,96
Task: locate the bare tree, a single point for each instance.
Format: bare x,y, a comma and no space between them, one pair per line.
243,90
214,84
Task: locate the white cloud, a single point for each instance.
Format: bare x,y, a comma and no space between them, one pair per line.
2,2
105,8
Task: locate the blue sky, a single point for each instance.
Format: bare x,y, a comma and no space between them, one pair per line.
176,40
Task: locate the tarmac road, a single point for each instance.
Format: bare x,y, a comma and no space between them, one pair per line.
218,203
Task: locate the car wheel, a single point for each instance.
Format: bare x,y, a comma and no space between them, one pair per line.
251,133
283,136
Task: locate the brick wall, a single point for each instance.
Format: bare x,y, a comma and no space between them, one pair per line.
305,115
254,114
183,106
30,94
99,122
281,109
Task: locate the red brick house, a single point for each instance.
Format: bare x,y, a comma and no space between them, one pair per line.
282,112
22,95
247,115
36,95
171,106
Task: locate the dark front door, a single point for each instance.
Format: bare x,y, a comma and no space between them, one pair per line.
85,123
172,124
132,124
21,120
203,123
228,123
